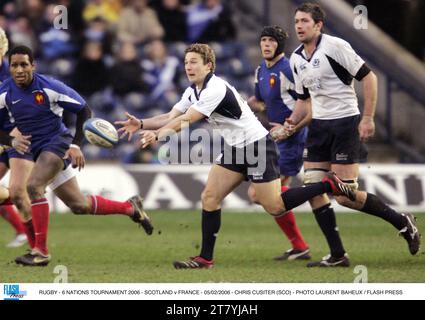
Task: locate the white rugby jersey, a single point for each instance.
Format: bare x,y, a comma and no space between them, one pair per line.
225,110
327,77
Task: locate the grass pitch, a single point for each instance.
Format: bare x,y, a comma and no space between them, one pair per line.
113,249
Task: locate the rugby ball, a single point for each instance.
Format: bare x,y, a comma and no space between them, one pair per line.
100,133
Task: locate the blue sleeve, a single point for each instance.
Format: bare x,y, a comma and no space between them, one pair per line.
66,97
288,72
257,86
257,92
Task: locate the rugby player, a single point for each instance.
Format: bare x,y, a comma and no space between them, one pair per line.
34,103
275,94
324,68
212,98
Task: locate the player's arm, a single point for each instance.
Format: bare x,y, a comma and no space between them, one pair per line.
356,66
132,124
176,125
256,105
300,117
305,114
161,120
82,116
74,152
255,102
20,143
370,91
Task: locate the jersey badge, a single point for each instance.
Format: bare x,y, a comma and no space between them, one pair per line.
39,98
272,81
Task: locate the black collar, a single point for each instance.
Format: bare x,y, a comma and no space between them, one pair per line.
207,78
301,48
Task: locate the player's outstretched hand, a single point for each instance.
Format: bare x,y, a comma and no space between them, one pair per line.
129,126
366,128
148,137
77,157
21,143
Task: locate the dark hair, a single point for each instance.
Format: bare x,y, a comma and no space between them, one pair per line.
278,34
314,9
22,50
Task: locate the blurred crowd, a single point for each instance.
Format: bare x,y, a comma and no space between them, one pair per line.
125,55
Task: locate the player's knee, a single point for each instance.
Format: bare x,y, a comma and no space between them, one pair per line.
79,208
274,209
35,191
209,198
17,195
344,201
252,195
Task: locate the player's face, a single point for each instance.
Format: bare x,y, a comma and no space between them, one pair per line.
268,47
196,70
305,27
21,69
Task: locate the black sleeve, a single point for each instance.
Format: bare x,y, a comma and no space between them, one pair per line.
82,116
305,95
5,139
363,72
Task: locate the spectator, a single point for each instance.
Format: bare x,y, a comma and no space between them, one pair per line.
173,19
54,43
138,23
126,74
98,31
91,74
21,33
34,11
160,74
107,9
208,21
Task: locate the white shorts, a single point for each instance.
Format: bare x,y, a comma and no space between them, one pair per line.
62,177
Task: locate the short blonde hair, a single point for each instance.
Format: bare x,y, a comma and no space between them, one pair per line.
4,43
205,51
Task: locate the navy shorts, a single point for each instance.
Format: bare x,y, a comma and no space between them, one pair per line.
258,161
336,141
57,144
291,153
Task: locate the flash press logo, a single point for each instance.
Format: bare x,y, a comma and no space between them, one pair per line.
12,292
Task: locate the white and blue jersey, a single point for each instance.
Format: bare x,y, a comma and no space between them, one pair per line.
37,111
276,88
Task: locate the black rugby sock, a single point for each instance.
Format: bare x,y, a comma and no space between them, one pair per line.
211,221
374,206
296,196
325,217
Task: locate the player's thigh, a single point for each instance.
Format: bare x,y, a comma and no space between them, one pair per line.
220,183
268,194
20,170
346,171
285,181
47,166
325,165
